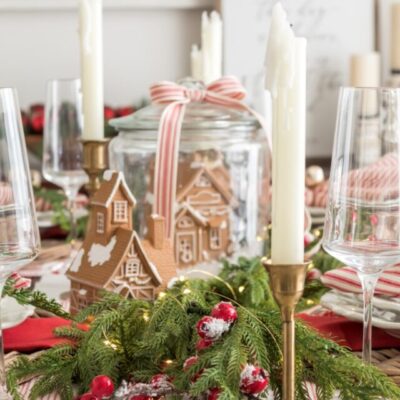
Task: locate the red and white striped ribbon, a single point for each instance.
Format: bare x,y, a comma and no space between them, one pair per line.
20,282
346,280
311,391
226,92
26,388
6,194
376,182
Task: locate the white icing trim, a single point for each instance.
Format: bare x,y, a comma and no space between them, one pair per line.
77,262
119,181
213,198
194,212
100,254
151,265
108,174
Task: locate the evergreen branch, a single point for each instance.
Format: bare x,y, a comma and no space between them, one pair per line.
135,338
36,299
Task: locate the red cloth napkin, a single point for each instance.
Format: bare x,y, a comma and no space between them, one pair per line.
34,334
348,333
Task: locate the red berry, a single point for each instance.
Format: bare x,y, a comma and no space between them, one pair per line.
88,396
102,386
225,311
38,107
202,327
124,111
374,219
109,113
203,344
159,380
313,274
189,362
213,394
140,397
37,121
211,328
253,380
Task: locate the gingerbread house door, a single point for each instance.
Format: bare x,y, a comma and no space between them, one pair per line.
186,248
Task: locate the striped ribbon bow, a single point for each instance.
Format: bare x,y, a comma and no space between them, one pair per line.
227,92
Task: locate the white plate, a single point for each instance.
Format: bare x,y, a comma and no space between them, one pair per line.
13,313
349,306
45,219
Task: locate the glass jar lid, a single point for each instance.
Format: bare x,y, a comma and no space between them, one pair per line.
197,116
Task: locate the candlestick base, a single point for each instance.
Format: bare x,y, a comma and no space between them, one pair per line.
95,162
287,283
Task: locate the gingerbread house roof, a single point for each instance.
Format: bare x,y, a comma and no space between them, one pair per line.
112,180
187,209
96,264
187,180
163,259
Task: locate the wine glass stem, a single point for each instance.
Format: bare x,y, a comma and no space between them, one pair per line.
71,196
368,283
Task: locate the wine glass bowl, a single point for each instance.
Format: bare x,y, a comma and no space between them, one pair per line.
363,210
62,147
19,233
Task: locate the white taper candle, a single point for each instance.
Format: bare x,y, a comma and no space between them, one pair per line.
286,80
91,41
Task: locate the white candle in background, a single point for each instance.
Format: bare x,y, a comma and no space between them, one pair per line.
91,40
211,46
286,80
216,46
196,63
365,71
206,47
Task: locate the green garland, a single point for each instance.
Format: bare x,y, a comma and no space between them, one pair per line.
134,339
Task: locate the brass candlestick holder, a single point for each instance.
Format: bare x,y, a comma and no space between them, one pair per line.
95,162
287,283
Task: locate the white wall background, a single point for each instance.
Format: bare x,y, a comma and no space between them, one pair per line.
144,41
334,30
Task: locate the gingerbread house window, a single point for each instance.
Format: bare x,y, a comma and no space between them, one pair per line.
82,300
100,223
120,211
215,238
185,222
132,267
203,182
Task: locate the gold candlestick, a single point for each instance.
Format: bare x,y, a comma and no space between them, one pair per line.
287,283
95,162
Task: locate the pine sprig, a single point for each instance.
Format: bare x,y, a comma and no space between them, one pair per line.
35,298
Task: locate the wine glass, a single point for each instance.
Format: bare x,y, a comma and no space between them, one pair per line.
362,223
62,146
19,234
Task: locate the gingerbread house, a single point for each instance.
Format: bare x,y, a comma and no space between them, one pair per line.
113,257
202,222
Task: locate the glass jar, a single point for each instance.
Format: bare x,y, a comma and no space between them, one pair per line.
223,179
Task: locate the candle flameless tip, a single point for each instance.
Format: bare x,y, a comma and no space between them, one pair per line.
279,60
